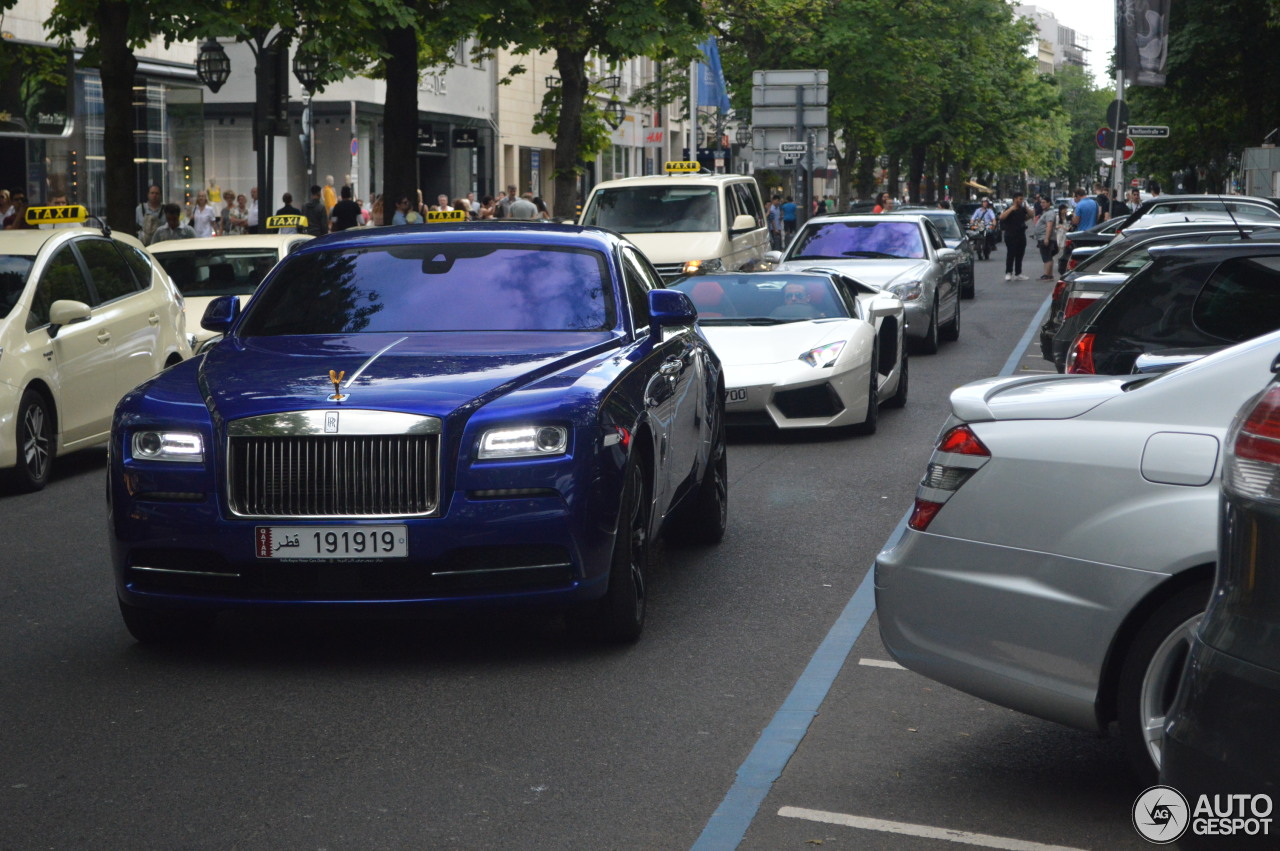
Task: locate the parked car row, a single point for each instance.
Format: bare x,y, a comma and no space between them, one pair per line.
1067,535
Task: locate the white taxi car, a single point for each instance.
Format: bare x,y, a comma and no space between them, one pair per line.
685,221
85,316
203,269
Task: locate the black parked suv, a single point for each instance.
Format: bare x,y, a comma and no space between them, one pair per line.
1189,297
1220,736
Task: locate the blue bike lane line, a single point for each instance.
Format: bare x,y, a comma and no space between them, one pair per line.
778,743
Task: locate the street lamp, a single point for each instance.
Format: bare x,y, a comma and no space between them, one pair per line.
743,136
552,81
213,67
306,69
615,113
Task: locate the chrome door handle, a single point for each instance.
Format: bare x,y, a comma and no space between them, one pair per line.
104,336
153,319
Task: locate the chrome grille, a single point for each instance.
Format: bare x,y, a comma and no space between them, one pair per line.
669,271
390,475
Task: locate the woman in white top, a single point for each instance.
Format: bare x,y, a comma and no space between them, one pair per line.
204,221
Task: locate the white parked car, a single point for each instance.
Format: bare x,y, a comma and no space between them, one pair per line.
85,316
803,349
1063,542
204,269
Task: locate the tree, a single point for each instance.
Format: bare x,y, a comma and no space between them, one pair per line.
614,30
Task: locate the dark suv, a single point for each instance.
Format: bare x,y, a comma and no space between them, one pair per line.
1189,297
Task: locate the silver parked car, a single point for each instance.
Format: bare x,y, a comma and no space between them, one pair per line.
901,253
1063,542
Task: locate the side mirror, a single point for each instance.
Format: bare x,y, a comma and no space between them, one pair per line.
64,312
220,314
774,257
743,222
671,307
948,254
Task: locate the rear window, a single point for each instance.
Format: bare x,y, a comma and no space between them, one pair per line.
1241,300
435,287
844,240
656,209
213,272
14,269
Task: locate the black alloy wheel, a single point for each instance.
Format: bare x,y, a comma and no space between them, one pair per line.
36,443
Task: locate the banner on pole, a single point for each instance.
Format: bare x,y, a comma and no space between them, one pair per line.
1142,40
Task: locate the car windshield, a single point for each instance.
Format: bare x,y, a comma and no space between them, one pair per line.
455,286
655,209
762,299
948,226
211,272
846,240
14,269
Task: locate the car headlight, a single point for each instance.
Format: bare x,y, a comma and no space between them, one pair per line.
909,291
182,446
701,267
524,442
823,355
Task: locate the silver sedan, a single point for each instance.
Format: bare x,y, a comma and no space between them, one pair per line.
901,253
1063,542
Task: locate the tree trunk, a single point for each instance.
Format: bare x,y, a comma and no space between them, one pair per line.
116,70
572,66
914,177
891,176
400,122
866,176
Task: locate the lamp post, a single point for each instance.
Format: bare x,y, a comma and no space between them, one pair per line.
306,69
615,113
271,104
743,136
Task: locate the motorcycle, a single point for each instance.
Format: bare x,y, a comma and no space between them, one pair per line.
983,237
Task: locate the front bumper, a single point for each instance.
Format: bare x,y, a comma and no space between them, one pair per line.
796,395
1022,629
527,550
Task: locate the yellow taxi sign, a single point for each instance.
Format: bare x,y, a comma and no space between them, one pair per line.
435,217
277,222
682,166
60,215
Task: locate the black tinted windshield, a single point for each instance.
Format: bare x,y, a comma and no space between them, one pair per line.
851,240
655,209
762,299
14,269
209,272
435,287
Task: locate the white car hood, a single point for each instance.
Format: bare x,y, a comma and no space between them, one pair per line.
1052,397
678,247
754,345
881,273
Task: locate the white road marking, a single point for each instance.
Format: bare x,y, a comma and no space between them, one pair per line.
920,830
881,663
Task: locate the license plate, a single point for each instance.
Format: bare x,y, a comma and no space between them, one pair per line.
736,396
339,543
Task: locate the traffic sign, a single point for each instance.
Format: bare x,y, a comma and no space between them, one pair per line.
792,148
1128,149
1107,156
785,116
801,77
1106,138
786,95
1118,114
1149,131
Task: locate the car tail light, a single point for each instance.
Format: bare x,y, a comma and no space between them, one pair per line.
1253,452
946,473
1077,302
1080,359
1057,290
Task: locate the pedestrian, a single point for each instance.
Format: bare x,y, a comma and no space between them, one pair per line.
149,214
288,210
402,211
377,211
543,212
504,205
488,207
252,225
775,223
317,215
461,204
330,197
5,206
1013,222
884,203
1135,200
1061,226
345,214
235,215
442,204
788,217
203,220
1086,213
1103,200
1042,234
17,216
173,227
1119,208
523,208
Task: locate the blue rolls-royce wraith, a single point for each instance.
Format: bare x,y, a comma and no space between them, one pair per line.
423,417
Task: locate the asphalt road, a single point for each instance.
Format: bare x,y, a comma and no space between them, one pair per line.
502,733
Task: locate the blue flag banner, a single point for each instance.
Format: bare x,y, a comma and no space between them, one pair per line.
711,88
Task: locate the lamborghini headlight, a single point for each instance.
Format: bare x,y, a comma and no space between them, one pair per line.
823,356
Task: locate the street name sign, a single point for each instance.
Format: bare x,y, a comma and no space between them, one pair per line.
793,148
1148,131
